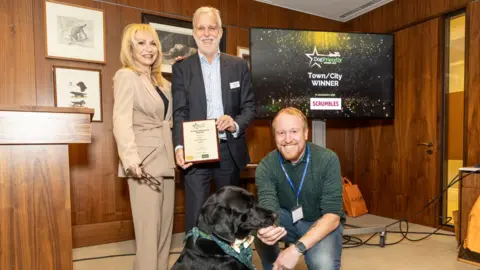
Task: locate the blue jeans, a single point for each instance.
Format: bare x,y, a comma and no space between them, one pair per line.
325,255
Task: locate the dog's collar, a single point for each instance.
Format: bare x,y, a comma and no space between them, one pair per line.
244,253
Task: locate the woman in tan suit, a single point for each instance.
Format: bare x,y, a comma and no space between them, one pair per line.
142,121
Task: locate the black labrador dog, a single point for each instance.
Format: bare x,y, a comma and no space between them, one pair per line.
228,215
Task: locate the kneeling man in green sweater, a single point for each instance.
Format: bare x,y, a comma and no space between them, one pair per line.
301,182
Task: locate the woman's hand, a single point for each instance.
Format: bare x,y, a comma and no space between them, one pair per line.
135,170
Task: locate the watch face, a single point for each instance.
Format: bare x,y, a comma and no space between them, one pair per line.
300,247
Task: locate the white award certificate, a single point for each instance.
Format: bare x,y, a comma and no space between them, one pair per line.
200,141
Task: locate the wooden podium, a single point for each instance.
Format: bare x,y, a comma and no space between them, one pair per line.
35,208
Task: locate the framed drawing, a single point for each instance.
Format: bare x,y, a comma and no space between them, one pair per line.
244,52
74,33
78,87
176,37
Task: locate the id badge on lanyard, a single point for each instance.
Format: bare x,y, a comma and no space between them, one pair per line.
297,211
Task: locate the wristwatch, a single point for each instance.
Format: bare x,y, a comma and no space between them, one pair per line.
300,247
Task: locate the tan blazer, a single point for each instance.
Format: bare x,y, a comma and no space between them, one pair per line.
139,126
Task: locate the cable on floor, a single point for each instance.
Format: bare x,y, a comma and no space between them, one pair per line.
352,242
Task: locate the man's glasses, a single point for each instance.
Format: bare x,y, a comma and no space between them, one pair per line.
148,178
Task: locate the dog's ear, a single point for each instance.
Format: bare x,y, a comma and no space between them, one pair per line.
218,220
226,228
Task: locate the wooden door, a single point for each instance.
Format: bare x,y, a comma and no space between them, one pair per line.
398,176
418,86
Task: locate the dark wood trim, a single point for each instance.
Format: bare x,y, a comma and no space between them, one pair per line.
102,233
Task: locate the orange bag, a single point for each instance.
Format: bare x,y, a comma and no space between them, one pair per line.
472,240
353,201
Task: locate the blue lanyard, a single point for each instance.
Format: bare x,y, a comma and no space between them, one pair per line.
304,173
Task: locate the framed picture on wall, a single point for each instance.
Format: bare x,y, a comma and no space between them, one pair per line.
244,52
176,37
74,33
78,88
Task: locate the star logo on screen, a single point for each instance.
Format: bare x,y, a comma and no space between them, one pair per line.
313,58
318,59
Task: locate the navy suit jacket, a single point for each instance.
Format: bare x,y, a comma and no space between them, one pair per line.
190,102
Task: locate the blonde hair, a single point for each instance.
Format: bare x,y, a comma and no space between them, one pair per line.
128,43
215,12
291,111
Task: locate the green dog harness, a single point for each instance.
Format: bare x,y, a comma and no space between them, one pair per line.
242,252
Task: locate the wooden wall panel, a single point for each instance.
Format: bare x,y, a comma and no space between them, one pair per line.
251,14
339,138
471,184
373,172
179,211
17,57
260,139
232,39
401,13
169,6
473,84
278,17
229,12
151,4
243,37
43,69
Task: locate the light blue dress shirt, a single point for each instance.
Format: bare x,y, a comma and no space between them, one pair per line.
213,91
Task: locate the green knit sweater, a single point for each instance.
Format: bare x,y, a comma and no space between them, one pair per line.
322,189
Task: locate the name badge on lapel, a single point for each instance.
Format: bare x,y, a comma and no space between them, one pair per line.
234,85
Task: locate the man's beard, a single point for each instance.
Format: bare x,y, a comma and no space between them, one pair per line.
215,43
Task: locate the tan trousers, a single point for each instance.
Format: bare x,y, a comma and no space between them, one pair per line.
153,221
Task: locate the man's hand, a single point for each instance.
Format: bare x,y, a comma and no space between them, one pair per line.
287,259
180,159
225,122
135,170
179,58
271,235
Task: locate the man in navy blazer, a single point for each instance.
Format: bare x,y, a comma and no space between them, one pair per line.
211,85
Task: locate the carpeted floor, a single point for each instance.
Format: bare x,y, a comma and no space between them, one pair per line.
435,253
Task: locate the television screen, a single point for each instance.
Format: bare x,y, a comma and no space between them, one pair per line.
327,75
